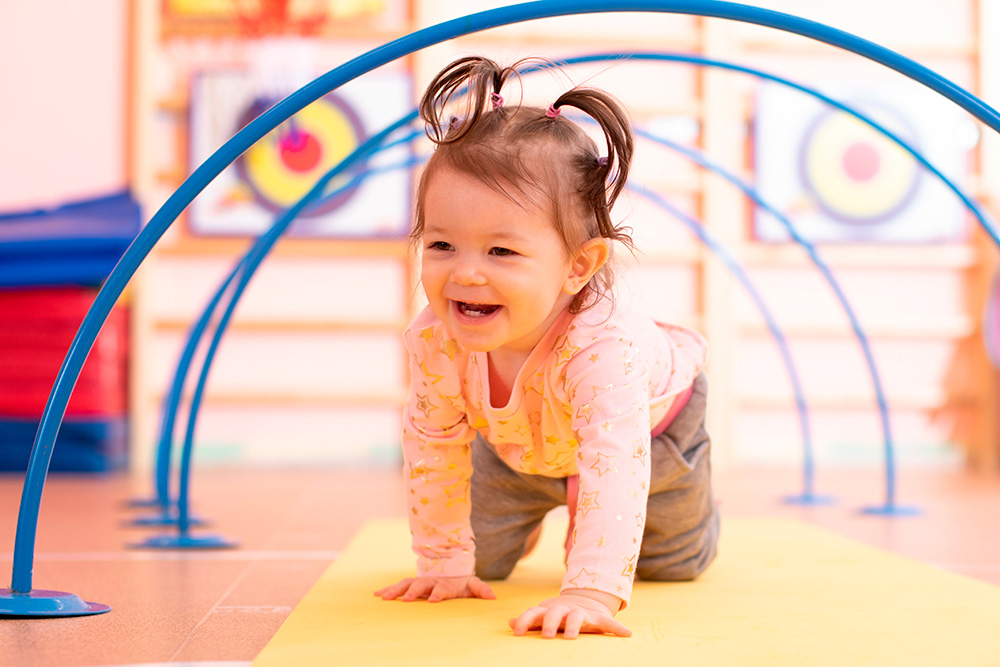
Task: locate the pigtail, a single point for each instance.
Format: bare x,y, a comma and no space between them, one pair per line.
526,152
479,80
603,178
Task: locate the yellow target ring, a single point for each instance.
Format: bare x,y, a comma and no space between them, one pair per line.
856,174
283,166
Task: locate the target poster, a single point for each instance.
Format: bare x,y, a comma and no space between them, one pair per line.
368,200
837,179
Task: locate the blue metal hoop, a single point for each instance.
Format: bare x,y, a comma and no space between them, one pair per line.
807,496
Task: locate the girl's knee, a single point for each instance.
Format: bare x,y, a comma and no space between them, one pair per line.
494,571
686,570
684,560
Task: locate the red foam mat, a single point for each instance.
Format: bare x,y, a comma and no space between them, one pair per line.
37,327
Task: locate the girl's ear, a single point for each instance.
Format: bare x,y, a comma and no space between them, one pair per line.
589,259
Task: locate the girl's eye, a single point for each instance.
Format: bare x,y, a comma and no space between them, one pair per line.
502,252
439,245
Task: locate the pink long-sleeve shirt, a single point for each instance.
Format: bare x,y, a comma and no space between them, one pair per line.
584,403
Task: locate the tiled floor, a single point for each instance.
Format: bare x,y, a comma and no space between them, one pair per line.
204,606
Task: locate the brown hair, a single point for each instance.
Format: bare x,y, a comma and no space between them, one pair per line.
491,142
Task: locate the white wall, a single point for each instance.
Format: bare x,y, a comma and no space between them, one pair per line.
62,100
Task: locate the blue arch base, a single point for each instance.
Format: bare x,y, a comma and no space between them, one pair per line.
164,518
146,503
808,499
891,510
185,541
46,604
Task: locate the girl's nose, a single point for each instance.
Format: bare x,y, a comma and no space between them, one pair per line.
467,271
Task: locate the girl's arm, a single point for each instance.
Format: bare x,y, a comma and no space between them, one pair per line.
437,472
610,402
608,396
437,481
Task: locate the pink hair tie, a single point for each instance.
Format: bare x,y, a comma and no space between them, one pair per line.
602,162
552,112
497,100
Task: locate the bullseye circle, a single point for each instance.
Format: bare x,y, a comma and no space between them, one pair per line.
283,166
300,150
855,174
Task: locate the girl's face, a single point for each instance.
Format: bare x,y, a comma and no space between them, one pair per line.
495,272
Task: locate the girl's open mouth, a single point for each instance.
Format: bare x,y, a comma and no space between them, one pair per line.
476,309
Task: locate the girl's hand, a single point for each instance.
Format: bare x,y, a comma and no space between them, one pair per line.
436,589
572,613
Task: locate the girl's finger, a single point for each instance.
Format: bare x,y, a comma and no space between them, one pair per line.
528,620
481,589
553,620
393,591
574,621
443,590
607,624
419,588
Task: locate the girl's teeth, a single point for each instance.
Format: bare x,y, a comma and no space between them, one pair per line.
476,309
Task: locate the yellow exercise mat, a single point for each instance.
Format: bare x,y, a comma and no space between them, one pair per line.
781,592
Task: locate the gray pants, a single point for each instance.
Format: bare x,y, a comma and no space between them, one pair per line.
682,522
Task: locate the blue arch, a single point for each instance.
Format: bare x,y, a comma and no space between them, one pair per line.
166,438
264,244
21,583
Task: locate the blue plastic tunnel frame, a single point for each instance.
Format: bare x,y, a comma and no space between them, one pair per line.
245,271
264,244
172,403
808,495
20,599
